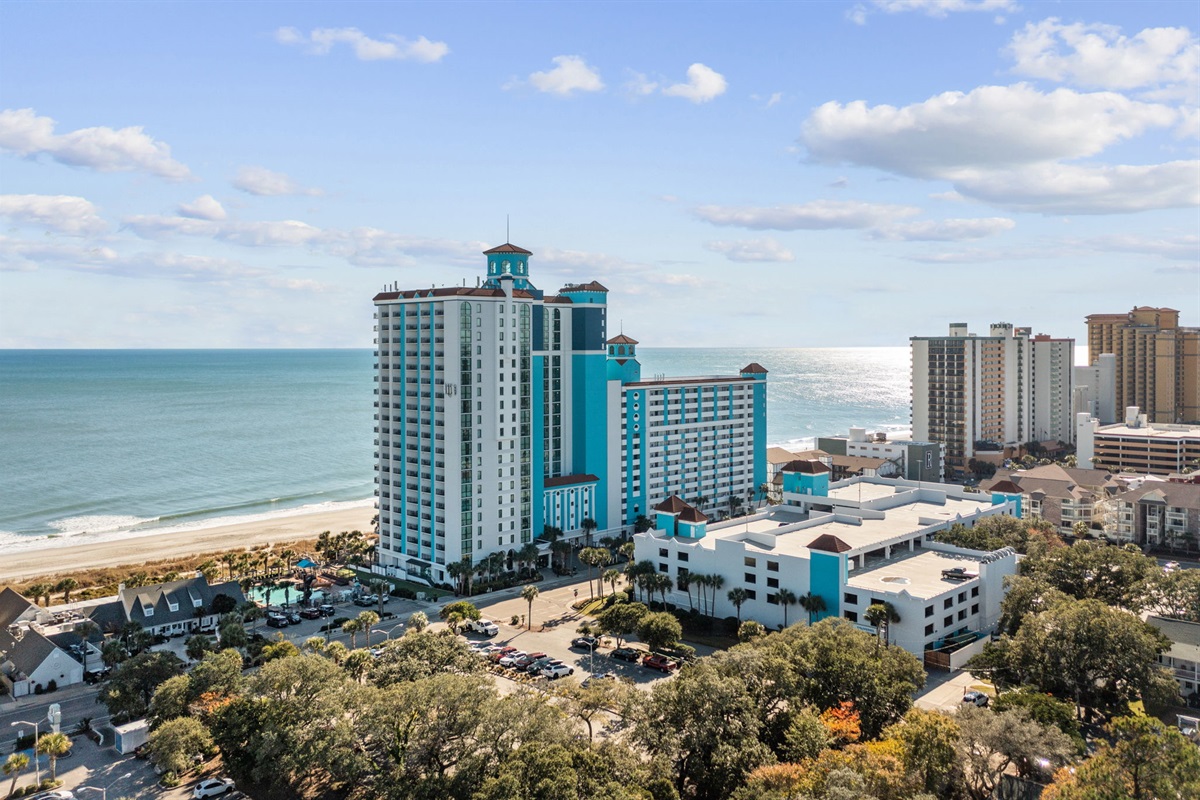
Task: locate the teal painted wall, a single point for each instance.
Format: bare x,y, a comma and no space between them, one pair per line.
664,522
589,426
826,577
538,445
999,497
805,483
760,434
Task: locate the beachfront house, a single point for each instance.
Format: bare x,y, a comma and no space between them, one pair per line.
168,609
31,660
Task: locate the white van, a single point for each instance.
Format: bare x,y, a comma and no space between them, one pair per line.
484,626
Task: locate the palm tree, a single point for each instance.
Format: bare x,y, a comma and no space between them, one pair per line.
39,590
737,595
715,582
881,616
611,575
595,557
529,593
786,597
528,555
812,603
229,559
683,582
366,620
626,551
561,550
588,525
13,765
66,586
352,627
209,570
701,580
54,745
380,588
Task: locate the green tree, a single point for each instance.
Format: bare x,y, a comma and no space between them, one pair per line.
1084,651
54,746
737,595
588,525
928,741
127,693
806,736
611,576
423,654
1080,529
750,630
281,648
786,597
812,603
529,593
66,586
1175,594
175,743
659,630
351,627
989,743
881,616
171,699
14,765
40,592
366,621
464,607
197,645
232,633
595,557
705,724
417,622
222,604
1091,570
1042,708
621,619
1145,761
113,652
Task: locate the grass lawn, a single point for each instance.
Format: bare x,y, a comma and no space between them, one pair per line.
430,592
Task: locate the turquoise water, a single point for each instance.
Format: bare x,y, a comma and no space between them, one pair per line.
100,442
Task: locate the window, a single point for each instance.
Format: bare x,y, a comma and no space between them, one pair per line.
773,599
974,591
751,578
851,599
772,566
962,597
975,608
852,616
948,621
750,562
948,602
962,615
751,594
929,611
682,556
662,552
929,629
773,583
662,567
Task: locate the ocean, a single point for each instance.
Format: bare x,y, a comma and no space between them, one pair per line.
96,444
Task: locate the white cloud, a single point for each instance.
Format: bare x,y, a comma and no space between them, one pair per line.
940,8
265,183
1180,248
281,233
392,48
817,215
945,230
774,99
203,207
22,255
752,250
570,74
1074,189
63,213
990,127
1099,56
103,149
639,85
703,84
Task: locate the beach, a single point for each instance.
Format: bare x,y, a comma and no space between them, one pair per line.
23,565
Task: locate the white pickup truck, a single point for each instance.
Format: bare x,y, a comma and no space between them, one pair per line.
484,626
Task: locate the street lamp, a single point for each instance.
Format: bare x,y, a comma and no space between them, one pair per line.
37,767
389,631
103,790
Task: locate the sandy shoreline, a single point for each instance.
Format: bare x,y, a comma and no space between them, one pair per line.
23,565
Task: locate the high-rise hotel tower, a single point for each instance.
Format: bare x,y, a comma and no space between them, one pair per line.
500,410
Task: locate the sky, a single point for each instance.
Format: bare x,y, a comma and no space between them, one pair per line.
250,174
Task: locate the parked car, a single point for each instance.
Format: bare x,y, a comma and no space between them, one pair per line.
484,626
60,794
586,642
327,609
311,613
1170,566
277,621
293,617
599,676
555,671
626,654
366,600
213,787
660,663
510,659
537,666
525,661
501,652
976,698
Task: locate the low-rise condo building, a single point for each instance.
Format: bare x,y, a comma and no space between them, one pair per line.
852,544
1138,445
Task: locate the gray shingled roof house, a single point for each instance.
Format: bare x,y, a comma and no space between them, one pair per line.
29,660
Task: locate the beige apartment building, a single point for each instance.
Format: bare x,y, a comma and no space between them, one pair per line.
1157,362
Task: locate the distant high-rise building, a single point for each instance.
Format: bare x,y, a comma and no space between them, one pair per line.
1157,362
501,410
983,393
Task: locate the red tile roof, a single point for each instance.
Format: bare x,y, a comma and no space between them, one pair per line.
508,248
621,339
808,466
1006,487
672,505
828,543
591,286
569,480
690,514
754,368
448,291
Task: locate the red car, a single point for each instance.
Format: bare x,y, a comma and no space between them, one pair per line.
496,655
661,663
